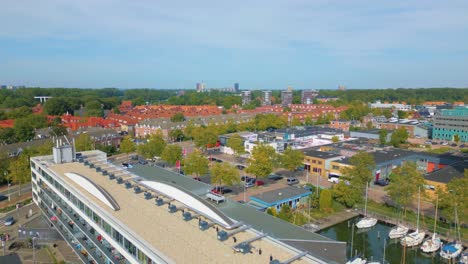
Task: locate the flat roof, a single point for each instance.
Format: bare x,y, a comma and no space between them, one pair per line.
448,173
285,193
169,232
320,154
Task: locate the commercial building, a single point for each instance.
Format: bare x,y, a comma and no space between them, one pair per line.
319,162
414,130
307,96
149,215
396,106
370,134
236,87
287,97
266,97
294,197
246,97
440,178
451,122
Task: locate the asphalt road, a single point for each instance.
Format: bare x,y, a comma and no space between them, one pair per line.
14,190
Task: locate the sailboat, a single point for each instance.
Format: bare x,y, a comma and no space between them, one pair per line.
454,249
415,238
398,231
434,243
366,222
356,259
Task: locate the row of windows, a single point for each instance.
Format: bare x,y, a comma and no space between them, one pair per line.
142,258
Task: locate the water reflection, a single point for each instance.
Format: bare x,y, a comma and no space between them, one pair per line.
370,244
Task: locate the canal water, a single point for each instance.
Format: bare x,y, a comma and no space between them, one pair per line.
370,244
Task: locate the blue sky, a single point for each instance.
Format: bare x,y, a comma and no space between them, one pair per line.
271,44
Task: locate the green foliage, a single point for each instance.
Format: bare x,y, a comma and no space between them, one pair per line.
271,211
204,137
356,110
383,136
24,131
178,117
399,136
267,121
404,184
456,138
360,173
19,171
7,135
108,149
176,135
325,200
455,196
59,130
153,147
58,106
172,153
262,161
195,163
236,143
346,195
127,145
285,213
335,139
224,174
402,114
83,142
291,159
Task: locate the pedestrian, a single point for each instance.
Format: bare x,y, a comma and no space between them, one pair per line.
260,251
271,258
217,229
235,239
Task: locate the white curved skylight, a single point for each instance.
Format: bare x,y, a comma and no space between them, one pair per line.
92,188
187,199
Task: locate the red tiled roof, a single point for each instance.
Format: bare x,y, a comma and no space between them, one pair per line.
7,123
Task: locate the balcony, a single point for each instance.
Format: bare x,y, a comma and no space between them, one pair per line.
116,259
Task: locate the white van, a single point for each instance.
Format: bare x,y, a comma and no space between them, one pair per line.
333,178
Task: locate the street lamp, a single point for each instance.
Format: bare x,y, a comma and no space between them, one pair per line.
245,190
34,249
8,182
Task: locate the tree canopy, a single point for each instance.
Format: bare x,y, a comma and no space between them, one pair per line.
262,161
236,143
454,196
172,153
83,142
399,136
224,173
361,171
153,147
291,159
196,163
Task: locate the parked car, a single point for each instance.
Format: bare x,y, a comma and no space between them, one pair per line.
275,177
334,178
9,221
249,184
454,144
381,182
258,182
3,198
292,181
197,178
221,190
240,167
219,161
246,178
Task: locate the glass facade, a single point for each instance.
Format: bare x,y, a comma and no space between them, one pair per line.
96,218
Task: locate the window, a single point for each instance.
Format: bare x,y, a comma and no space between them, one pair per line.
335,167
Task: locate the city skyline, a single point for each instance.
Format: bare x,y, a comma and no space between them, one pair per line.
261,45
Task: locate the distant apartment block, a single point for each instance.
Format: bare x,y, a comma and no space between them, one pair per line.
246,97
402,107
342,88
201,87
307,96
236,87
287,97
266,97
451,122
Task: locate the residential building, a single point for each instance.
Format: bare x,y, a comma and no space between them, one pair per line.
451,122
266,97
236,87
287,97
307,96
246,97
414,129
344,125
291,196
201,87
108,214
396,106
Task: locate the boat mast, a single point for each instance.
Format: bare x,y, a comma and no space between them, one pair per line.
435,218
365,205
419,204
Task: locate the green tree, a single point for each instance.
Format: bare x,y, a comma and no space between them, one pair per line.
236,143
456,138
24,131
383,136
127,145
172,153
19,171
176,134
285,213
262,161
224,174
196,163
404,184
83,142
58,106
153,147
455,196
402,114
361,171
292,159
59,130
7,135
205,137
345,194
325,200
271,211
399,136
178,117
335,139
296,122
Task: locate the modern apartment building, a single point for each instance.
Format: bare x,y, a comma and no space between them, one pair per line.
266,97
108,214
286,97
246,97
451,122
307,96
